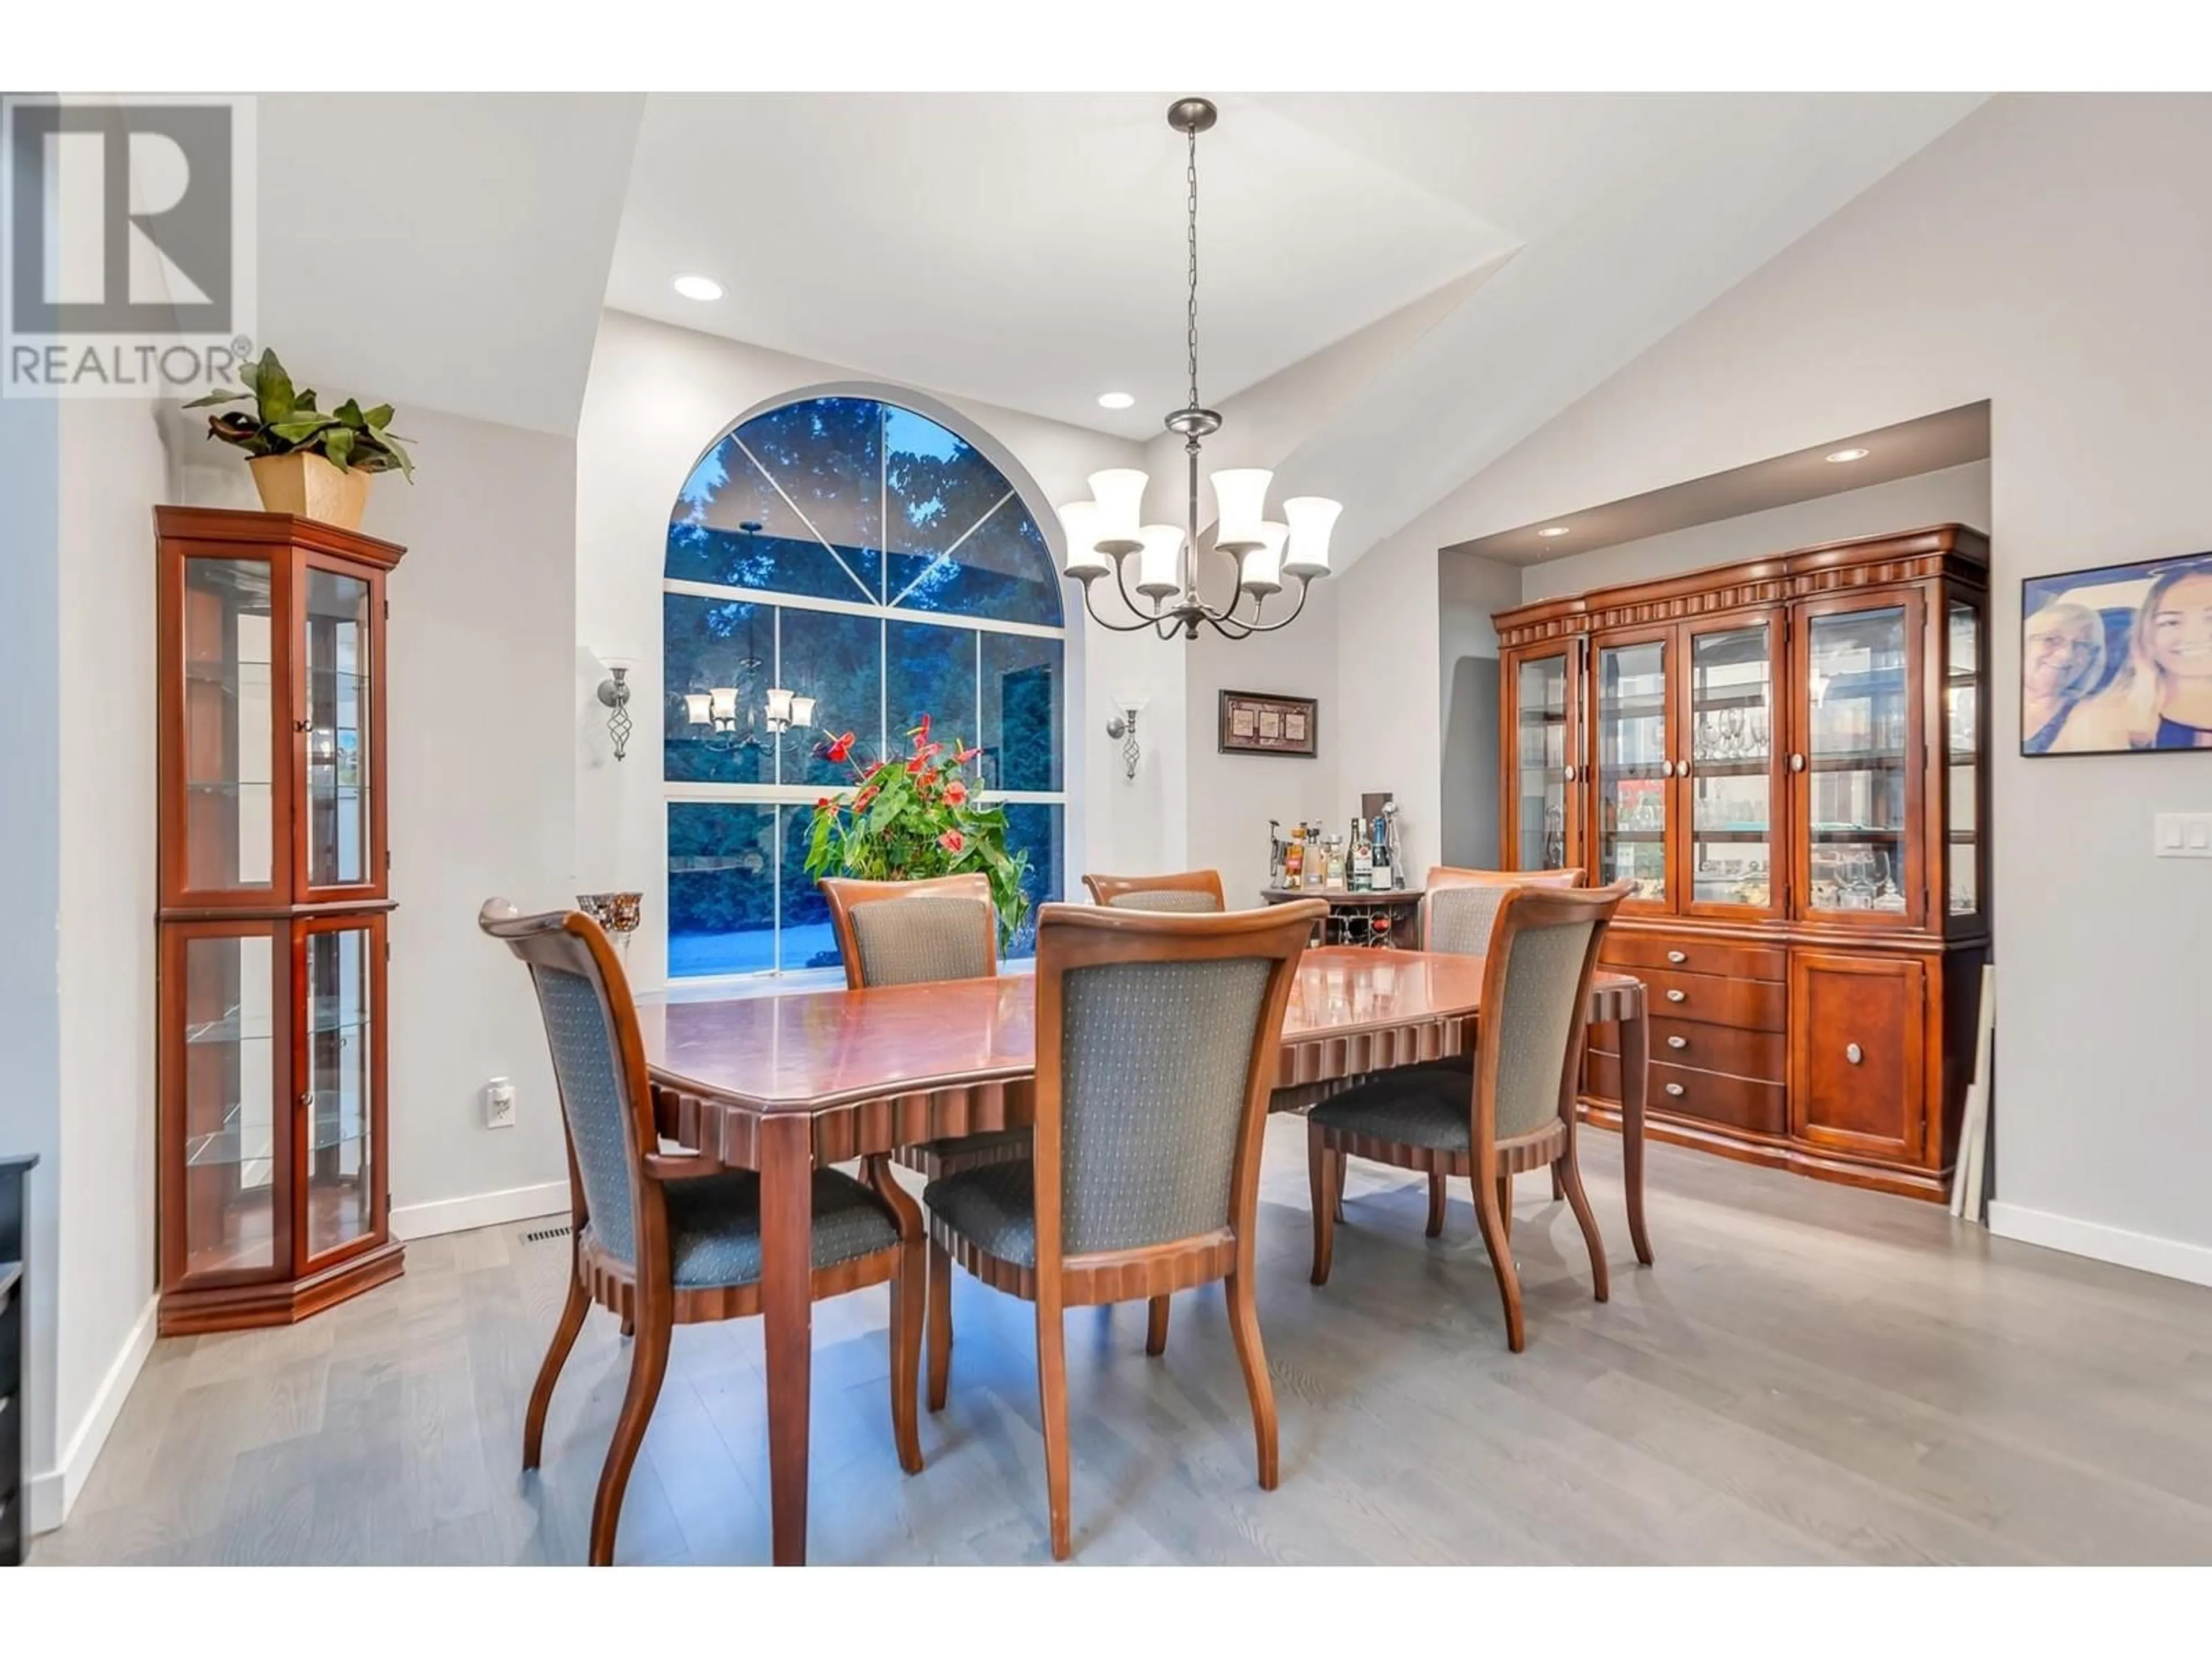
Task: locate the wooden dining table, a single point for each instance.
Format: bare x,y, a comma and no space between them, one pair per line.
784,1085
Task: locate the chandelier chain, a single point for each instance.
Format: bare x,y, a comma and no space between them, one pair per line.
1190,204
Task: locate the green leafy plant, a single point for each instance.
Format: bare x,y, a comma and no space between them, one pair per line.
907,819
286,421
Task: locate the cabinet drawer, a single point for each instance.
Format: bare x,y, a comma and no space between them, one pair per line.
1857,1042
1750,1004
1690,954
1712,1097
1761,1056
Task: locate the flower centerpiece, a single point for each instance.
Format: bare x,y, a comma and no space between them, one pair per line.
905,820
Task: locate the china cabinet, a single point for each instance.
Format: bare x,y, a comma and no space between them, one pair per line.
1788,759
273,883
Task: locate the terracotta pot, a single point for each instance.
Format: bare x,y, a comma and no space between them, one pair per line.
309,487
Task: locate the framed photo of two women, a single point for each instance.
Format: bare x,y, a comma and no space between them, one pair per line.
2118,659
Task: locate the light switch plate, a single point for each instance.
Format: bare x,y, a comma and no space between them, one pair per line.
2182,835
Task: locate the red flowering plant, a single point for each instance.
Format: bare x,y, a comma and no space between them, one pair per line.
907,819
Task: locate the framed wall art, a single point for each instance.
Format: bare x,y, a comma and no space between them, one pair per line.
1260,723
2118,659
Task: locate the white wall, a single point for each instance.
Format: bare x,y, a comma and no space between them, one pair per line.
1469,589
30,842
2051,254
1390,689
112,472
1957,494
1232,797
658,397
482,731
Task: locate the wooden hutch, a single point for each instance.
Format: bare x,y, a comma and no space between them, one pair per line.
273,1172
1789,758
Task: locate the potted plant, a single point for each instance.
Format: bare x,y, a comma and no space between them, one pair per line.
306,461
906,820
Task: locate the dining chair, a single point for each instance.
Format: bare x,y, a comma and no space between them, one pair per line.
1514,1111
1456,910
657,1242
1185,890
1157,1041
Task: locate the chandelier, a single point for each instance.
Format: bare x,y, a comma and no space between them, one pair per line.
1160,561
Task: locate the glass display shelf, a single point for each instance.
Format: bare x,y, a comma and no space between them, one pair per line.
232,1028
240,1142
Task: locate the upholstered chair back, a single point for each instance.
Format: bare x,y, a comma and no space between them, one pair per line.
909,932
1535,1000
1460,906
598,1058
1157,1041
1189,891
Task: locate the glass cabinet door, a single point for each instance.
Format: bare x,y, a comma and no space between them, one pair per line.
225,745
1632,766
1543,758
1856,828
224,1086
1729,797
337,665
338,1084
1962,729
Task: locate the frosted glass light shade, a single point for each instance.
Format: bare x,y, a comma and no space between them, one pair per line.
1312,518
1078,522
1118,494
696,710
1259,572
779,704
1240,499
723,704
802,712
1159,562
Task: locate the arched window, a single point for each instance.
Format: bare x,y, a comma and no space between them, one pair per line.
857,553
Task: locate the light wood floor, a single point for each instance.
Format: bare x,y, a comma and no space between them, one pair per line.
1809,1375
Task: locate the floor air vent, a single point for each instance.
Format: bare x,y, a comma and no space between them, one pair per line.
544,1234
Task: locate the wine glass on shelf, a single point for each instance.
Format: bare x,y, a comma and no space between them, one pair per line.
1887,896
1858,878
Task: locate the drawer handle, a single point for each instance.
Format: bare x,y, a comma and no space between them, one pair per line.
1677,1043
1853,1052
1678,996
1675,1089
1678,956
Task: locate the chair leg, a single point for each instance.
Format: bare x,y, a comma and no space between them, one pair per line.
648,1363
1156,1326
1487,1215
1244,1326
556,1355
1336,1185
1558,1191
1322,1168
629,1325
1505,1205
1436,1228
1564,1172
940,1322
1052,1412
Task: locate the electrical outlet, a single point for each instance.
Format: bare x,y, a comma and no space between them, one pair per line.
499,1104
2184,836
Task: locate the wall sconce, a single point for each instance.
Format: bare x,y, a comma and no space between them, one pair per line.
1122,724
613,695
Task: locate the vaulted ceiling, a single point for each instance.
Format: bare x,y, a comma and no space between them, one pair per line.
1027,249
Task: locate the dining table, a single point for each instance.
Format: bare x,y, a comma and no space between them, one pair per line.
781,1086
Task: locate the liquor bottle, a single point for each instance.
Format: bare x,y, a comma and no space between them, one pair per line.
1335,877
1361,876
1379,856
1294,859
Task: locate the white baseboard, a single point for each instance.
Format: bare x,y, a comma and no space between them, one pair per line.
2169,1257
458,1215
52,1495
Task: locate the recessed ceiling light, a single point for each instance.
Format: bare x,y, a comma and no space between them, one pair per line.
1843,455
1552,530
1115,400
698,288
